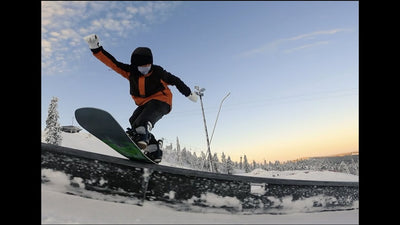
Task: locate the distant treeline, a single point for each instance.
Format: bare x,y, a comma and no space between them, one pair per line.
224,164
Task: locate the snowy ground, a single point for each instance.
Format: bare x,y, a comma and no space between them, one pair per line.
60,207
303,175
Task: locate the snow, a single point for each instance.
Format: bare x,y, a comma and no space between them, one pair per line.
62,208
303,175
88,142
64,203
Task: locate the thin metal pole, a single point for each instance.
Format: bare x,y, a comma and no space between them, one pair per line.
215,124
208,141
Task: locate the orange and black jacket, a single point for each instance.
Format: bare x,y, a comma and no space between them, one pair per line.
144,88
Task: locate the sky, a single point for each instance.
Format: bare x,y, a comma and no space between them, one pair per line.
291,69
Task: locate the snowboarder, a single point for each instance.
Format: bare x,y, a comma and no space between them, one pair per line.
148,88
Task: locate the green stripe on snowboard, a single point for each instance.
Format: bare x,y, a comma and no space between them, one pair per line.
128,150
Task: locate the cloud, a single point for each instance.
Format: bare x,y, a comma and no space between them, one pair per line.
64,24
306,46
274,45
316,33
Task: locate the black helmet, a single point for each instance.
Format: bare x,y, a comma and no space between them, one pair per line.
141,56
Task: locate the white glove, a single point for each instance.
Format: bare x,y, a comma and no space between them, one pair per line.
193,97
93,41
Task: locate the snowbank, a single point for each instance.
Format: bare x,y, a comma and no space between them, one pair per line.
62,204
303,175
87,142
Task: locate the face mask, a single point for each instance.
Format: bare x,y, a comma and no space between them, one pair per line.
144,69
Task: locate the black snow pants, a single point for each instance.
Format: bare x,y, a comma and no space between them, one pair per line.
151,112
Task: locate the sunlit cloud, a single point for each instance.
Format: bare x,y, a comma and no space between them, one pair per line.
64,24
306,46
274,45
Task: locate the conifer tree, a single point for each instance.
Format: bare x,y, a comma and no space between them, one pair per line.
246,165
223,168
215,163
204,161
229,165
53,128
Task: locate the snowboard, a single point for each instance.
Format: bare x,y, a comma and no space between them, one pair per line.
103,126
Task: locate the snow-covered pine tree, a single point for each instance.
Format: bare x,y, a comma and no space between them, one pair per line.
223,162
254,165
343,167
229,165
246,165
265,165
215,163
205,165
178,151
184,157
197,162
53,128
354,167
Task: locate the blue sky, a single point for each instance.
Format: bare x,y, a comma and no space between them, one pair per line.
291,69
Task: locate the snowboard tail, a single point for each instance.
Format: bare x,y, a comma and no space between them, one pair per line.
103,126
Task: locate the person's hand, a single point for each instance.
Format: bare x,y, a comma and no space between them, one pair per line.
93,41
193,97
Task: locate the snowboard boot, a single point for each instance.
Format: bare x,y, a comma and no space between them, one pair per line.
143,135
153,150
135,137
131,134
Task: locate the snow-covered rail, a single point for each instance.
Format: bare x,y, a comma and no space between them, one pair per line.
184,188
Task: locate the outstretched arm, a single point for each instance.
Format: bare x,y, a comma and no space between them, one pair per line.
180,85
105,57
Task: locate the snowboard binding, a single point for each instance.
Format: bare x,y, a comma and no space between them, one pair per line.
151,149
141,140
